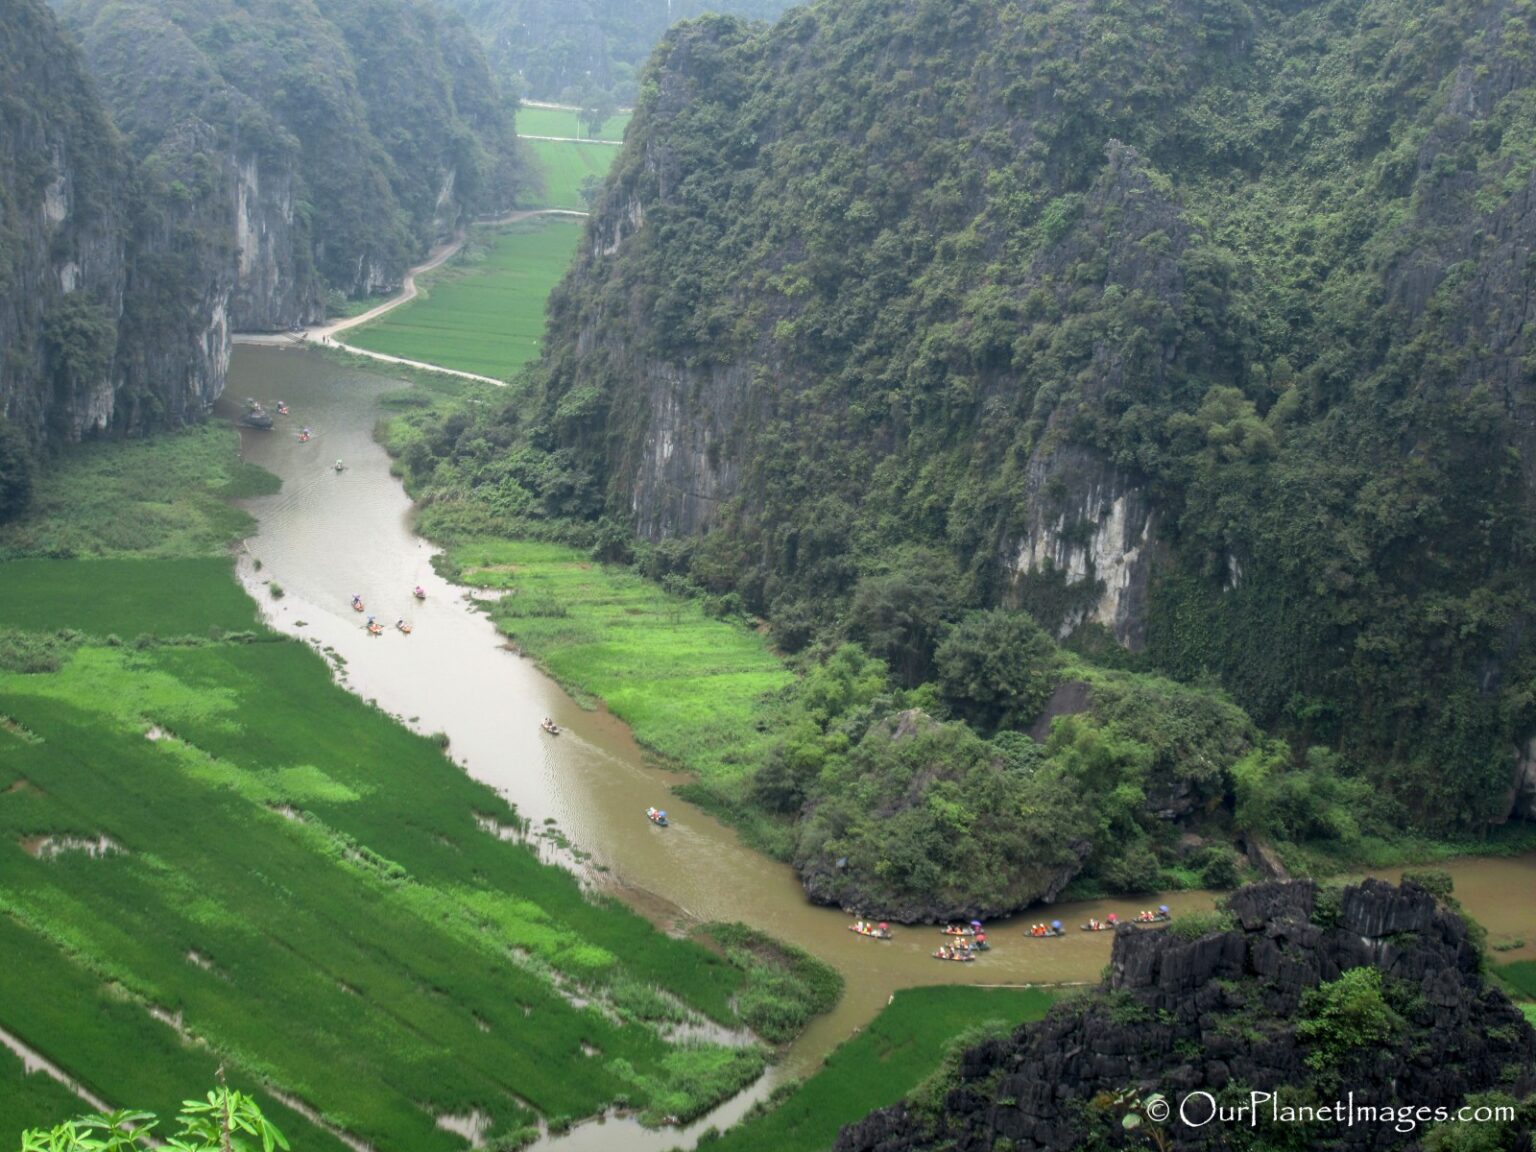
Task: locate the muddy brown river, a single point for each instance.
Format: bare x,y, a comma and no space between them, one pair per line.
328,535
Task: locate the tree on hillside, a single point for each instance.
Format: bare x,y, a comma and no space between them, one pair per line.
899,614
996,668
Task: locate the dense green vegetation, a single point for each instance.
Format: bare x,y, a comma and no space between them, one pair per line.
123,498
568,122
896,333
485,312
565,174
201,833
584,51
840,763
902,1047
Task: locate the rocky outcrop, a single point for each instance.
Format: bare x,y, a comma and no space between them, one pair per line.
1217,1014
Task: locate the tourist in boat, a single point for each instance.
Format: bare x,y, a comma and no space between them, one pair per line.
420,593
338,465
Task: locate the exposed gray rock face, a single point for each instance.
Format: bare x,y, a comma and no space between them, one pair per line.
683,475
1095,528
1219,1011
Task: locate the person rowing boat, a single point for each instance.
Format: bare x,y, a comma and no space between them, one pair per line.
881,931
550,726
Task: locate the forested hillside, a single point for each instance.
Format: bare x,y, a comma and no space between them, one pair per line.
326,143
80,254
582,50
1198,330
1116,415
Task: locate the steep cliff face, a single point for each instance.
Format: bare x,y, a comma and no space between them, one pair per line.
1224,1015
63,176
333,142
86,262
1121,310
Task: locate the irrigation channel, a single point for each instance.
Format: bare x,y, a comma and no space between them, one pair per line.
328,535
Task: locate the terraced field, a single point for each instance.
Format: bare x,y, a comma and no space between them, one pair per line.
486,316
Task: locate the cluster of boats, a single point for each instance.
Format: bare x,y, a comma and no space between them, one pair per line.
1147,916
372,624
964,942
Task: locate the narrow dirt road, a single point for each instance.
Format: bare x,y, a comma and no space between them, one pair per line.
325,334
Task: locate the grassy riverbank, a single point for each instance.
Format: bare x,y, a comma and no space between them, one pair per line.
484,313
689,686
200,833
900,1049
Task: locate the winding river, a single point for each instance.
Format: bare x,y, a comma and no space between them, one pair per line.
328,535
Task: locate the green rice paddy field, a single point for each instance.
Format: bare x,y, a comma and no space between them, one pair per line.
563,122
564,166
690,686
484,317
902,1047
209,853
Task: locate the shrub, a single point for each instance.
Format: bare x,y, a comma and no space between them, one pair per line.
1346,1015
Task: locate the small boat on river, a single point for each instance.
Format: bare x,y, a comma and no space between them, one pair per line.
1046,931
256,416
550,726
656,816
1161,916
962,929
357,603
1108,924
282,409
375,629
880,931
420,593
955,955
402,626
